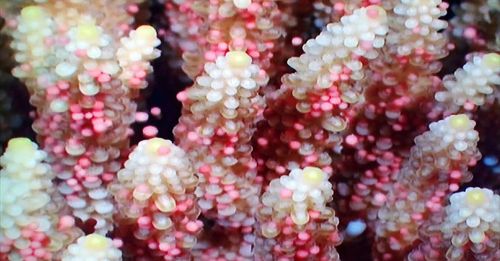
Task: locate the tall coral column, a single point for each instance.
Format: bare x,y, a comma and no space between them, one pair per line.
437,166
215,129
82,79
398,100
306,116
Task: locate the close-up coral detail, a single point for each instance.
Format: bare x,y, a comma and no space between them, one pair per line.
240,130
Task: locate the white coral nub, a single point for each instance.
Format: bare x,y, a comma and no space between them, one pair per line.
475,212
158,171
231,79
25,189
456,130
137,50
477,79
297,193
93,247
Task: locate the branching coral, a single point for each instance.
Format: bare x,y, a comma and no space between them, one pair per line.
365,113
477,23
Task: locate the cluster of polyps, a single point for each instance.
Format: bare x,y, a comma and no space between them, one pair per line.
294,220
438,164
82,80
304,118
155,193
469,227
471,85
30,206
419,25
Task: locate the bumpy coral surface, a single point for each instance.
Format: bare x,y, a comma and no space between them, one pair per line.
248,130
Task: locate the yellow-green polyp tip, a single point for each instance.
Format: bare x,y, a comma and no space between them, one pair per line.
96,242
88,32
492,60
313,175
238,59
147,32
32,13
20,145
155,144
475,197
459,122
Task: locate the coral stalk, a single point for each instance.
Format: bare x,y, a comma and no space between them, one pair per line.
438,165
215,129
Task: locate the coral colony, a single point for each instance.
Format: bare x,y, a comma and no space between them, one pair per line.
309,130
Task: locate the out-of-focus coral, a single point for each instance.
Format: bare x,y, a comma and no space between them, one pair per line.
30,226
467,229
215,129
203,30
305,117
477,22
438,165
155,197
93,247
82,79
294,221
